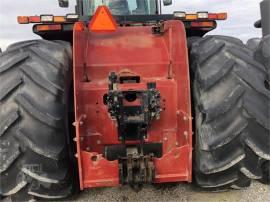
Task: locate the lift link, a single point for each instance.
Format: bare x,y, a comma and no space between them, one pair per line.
137,170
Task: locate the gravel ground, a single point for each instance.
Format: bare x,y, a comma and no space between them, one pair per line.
182,192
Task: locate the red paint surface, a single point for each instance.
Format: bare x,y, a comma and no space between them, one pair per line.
155,58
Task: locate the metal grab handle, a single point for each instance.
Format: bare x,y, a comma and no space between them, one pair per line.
265,13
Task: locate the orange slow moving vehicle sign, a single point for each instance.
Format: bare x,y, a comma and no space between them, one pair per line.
102,20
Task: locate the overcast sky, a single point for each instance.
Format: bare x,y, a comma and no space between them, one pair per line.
242,15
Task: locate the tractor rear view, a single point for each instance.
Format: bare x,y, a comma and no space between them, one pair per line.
119,93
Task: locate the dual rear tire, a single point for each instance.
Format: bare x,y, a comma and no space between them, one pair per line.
232,103
34,143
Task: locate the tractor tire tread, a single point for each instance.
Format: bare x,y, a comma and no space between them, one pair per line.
231,104
33,120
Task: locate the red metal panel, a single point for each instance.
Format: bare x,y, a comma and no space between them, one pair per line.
155,58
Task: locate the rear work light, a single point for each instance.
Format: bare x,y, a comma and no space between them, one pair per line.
202,15
72,17
179,14
46,18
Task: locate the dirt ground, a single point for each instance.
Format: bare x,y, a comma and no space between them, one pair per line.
182,192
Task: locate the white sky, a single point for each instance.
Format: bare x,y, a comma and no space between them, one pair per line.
242,15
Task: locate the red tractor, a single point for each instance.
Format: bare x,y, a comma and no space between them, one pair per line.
119,93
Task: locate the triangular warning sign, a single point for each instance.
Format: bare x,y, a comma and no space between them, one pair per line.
102,20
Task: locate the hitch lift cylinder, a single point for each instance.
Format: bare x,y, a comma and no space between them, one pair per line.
265,13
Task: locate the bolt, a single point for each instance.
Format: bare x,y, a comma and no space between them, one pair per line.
81,123
178,112
81,138
75,139
165,138
98,142
76,155
88,148
84,116
176,143
185,118
186,134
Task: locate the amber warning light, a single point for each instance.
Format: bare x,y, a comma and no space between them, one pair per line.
102,21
